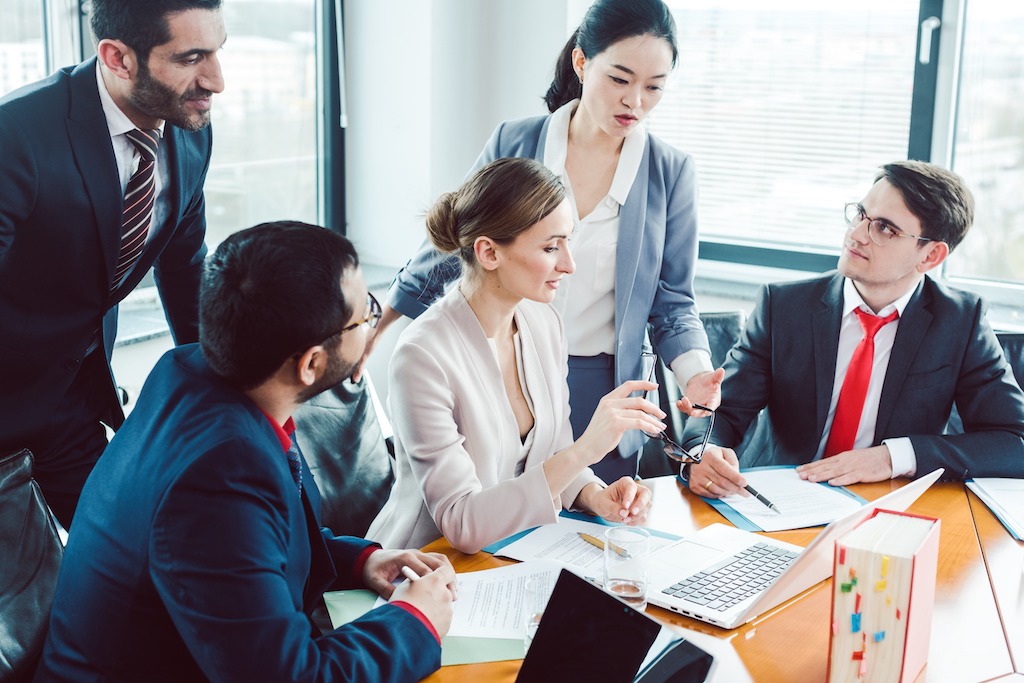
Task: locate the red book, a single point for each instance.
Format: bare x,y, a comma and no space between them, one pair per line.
883,590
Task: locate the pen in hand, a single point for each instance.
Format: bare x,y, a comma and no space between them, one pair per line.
410,574
770,505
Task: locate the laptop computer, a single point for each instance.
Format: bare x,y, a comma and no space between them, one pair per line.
727,577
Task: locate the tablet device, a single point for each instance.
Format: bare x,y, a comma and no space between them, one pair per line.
589,635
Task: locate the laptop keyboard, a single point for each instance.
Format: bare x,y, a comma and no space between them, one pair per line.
735,578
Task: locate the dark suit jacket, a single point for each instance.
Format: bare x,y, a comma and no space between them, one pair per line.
193,557
60,233
944,353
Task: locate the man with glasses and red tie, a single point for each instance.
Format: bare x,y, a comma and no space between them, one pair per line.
102,171
857,370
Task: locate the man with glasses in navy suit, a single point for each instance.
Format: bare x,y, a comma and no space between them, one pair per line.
857,371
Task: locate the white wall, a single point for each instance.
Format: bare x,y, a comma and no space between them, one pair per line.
428,80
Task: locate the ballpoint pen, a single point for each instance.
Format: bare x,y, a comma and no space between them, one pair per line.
597,542
771,506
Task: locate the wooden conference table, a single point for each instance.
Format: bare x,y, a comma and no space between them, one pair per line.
978,619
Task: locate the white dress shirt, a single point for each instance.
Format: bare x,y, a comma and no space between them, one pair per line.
127,157
904,462
586,298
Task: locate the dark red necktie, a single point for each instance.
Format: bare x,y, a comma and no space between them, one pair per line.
855,386
139,199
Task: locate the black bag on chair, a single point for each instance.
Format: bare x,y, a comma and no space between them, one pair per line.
30,555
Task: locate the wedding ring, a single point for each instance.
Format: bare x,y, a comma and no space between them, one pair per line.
709,485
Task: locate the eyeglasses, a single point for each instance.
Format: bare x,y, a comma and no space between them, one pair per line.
881,232
372,319
670,447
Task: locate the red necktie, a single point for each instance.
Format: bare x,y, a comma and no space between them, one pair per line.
139,198
855,386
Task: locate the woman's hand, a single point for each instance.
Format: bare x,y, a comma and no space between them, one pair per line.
626,501
388,316
618,412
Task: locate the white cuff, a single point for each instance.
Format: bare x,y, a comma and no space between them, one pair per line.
686,365
904,460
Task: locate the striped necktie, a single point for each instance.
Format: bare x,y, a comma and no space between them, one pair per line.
139,198
294,463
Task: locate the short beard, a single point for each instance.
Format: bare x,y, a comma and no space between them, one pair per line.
155,99
336,372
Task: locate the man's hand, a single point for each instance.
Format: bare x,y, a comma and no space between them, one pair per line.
431,594
626,501
850,467
384,566
704,388
717,474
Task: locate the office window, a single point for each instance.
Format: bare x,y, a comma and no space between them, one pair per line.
989,142
22,53
788,109
264,163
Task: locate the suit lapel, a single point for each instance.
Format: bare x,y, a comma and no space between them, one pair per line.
94,156
913,328
633,218
826,341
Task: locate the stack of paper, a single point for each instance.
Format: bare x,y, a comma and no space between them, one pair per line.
1005,498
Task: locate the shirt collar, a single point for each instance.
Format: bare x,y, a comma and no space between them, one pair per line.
557,142
283,432
117,121
852,299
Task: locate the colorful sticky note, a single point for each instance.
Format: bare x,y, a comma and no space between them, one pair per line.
855,623
846,587
842,555
856,604
885,566
897,614
879,636
858,656
880,585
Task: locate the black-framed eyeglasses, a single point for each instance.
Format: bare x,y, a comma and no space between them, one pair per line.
372,319
670,447
879,231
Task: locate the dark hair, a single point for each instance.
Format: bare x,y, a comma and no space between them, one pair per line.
938,198
606,23
268,293
502,199
140,24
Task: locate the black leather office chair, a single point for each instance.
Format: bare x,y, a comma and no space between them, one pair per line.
30,556
723,329
341,436
1013,349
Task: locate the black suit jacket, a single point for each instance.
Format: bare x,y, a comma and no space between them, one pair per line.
944,353
60,232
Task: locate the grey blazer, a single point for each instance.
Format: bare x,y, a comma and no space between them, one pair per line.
944,353
654,260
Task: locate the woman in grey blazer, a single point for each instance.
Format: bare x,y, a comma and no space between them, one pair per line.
634,209
478,395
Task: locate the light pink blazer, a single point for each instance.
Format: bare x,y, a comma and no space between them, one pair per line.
456,438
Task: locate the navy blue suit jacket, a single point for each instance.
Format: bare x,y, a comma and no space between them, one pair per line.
60,232
944,353
194,558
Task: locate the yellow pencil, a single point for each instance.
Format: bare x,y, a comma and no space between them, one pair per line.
594,541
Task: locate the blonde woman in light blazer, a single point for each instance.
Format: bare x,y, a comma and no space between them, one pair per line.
478,391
